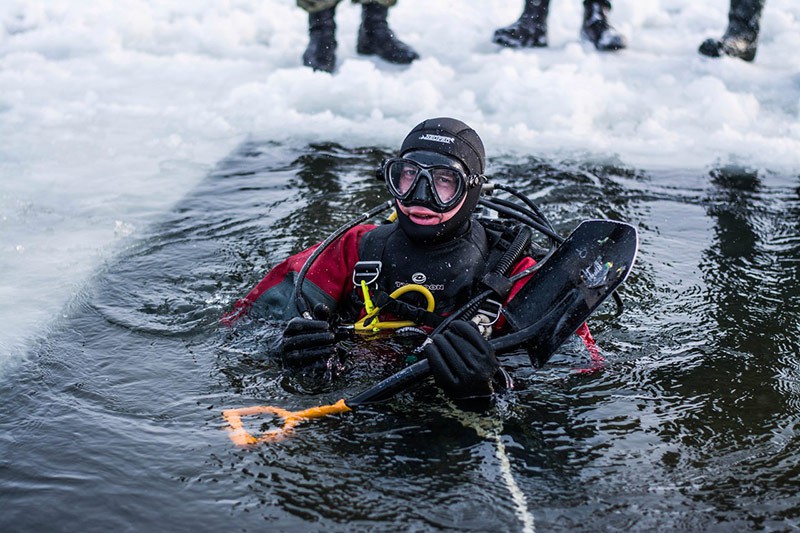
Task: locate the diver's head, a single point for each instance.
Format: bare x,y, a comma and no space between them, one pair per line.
436,181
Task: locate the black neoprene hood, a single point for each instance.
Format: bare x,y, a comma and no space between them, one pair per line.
450,137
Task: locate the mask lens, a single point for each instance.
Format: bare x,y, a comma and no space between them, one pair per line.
402,176
446,182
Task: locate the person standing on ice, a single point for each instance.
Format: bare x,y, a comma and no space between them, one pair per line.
374,36
741,38
530,31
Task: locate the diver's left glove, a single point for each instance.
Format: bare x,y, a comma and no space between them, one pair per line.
306,341
462,362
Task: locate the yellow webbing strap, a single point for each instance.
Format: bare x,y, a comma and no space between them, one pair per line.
371,322
369,307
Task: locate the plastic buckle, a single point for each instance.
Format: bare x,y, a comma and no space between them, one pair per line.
366,271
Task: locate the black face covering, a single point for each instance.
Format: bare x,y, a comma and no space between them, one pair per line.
456,226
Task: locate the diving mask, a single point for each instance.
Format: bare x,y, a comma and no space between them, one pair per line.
428,179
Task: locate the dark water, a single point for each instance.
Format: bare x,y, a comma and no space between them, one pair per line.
113,421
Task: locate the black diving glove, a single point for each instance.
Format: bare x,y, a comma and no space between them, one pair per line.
306,341
462,362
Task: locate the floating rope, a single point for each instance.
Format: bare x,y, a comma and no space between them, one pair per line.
491,428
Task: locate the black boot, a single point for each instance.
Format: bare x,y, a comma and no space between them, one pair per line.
741,37
321,51
529,31
596,28
376,38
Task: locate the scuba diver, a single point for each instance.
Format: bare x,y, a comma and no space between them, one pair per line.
417,273
530,30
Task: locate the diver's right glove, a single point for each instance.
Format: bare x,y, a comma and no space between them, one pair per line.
462,362
306,341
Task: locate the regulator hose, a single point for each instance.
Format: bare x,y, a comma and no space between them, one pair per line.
509,258
528,202
516,212
300,301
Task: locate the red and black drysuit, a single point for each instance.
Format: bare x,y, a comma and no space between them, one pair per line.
451,271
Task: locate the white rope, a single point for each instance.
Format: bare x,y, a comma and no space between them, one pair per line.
520,502
491,429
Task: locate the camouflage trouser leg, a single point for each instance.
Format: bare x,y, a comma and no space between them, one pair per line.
312,6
